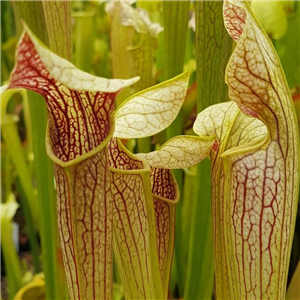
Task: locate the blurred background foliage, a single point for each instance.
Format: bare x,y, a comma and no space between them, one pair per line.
155,40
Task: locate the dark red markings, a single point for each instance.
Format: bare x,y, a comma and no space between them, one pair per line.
78,120
234,19
130,221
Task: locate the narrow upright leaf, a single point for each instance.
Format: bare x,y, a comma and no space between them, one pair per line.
12,141
175,16
213,47
84,34
58,21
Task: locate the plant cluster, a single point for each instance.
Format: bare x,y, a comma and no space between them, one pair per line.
121,159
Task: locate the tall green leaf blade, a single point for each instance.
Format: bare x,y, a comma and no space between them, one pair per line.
84,35
213,46
30,225
200,268
59,27
175,14
122,37
52,264
7,38
33,14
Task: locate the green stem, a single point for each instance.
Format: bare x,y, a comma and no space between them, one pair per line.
187,206
7,35
213,46
10,256
13,143
144,145
45,185
84,36
176,14
34,245
175,32
12,140
6,172
200,270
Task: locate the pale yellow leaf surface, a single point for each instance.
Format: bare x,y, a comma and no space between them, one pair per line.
73,78
213,120
152,110
84,213
180,152
233,129
246,133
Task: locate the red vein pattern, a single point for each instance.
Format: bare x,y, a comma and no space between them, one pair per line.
119,159
78,120
164,190
84,210
134,230
234,20
256,199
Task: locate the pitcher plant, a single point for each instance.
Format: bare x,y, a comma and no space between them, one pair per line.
255,168
110,199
